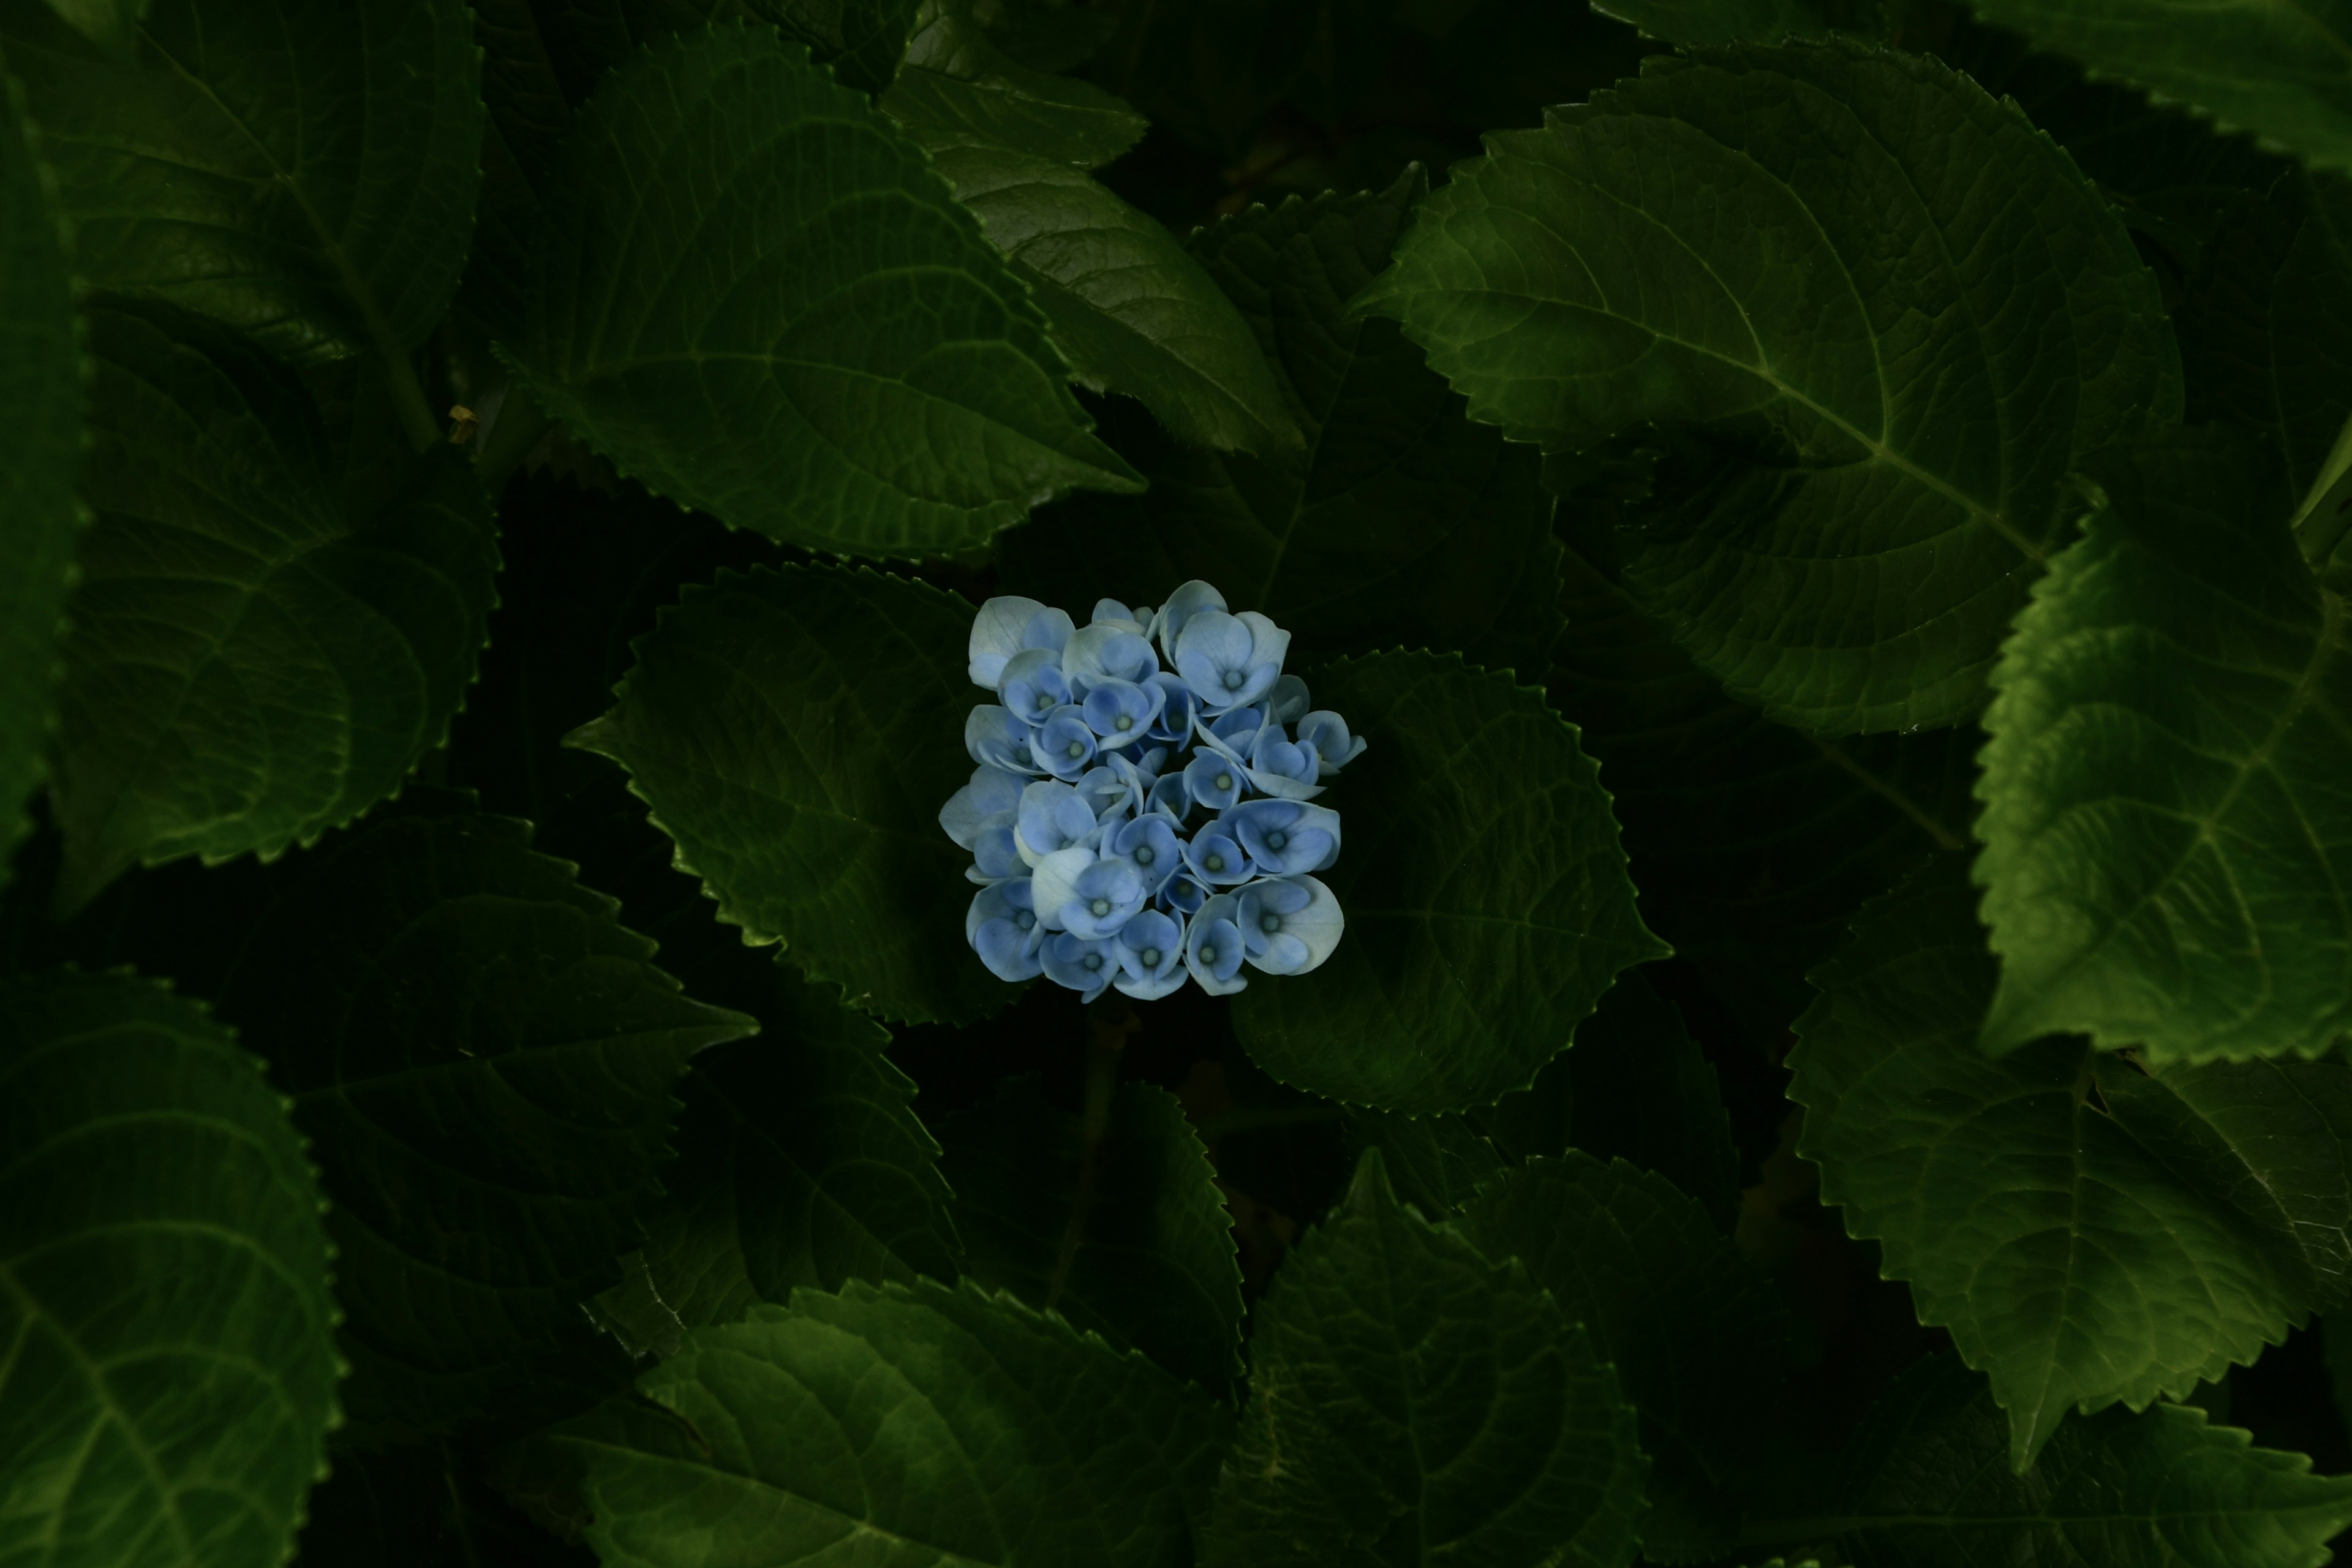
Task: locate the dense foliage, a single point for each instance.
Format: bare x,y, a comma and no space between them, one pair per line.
524,1039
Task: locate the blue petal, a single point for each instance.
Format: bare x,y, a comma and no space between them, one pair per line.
1182,604
996,636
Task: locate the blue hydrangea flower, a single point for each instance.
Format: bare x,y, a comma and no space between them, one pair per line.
1004,627
1289,924
1085,967
1229,661
1169,840
1213,949
1150,956
1004,931
1064,746
1033,685
1104,896
1284,837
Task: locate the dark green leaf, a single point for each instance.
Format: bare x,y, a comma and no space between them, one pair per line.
902,1427
1696,1333
1485,896
1922,1486
804,790
170,1372
305,173
1412,1402
1752,843
1151,1262
486,1061
1402,523
40,459
2167,827
1436,1163
1829,285
800,1163
957,87
2267,329
1719,22
1128,306
756,297
2279,70
2090,1232
251,661
1207,70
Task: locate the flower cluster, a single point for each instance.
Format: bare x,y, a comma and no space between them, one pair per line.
1140,811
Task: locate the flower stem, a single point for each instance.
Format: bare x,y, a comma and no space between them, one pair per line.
1108,1023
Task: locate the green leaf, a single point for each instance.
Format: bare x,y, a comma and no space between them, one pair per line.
1922,1486
1485,896
806,791
2280,71
800,1163
2167,834
2091,1230
41,413
904,1426
1401,524
1752,843
957,86
1410,1401
804,334
1150,1261
303,174
484,1059
1128,308
2267,329
1893,399
1637,1088
111,23
171,1368
1713,22
250,663
1696,1333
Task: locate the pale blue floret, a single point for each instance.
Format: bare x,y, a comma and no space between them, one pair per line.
1230,660
1063,746
997,739
1213,949
1034,685
1006,626
1089,875
1004,931
1105,897
1150,951
1284,837
1289,925
1326,734
1085,967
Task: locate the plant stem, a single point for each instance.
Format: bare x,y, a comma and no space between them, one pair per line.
1108,1023
457,1508
408,400
516,431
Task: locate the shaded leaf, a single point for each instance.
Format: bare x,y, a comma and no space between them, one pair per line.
1696,1333
2167,826
1401,524
1752,843
1436,1163
1410,1400
1892,391
220,165
251,661
1486,900
800,1163
956,88
170,1371
1715,22
1153,1264
486,1061
802,333
1922,1486
908,1424
40,459
2090,1232
805,793
2278,70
